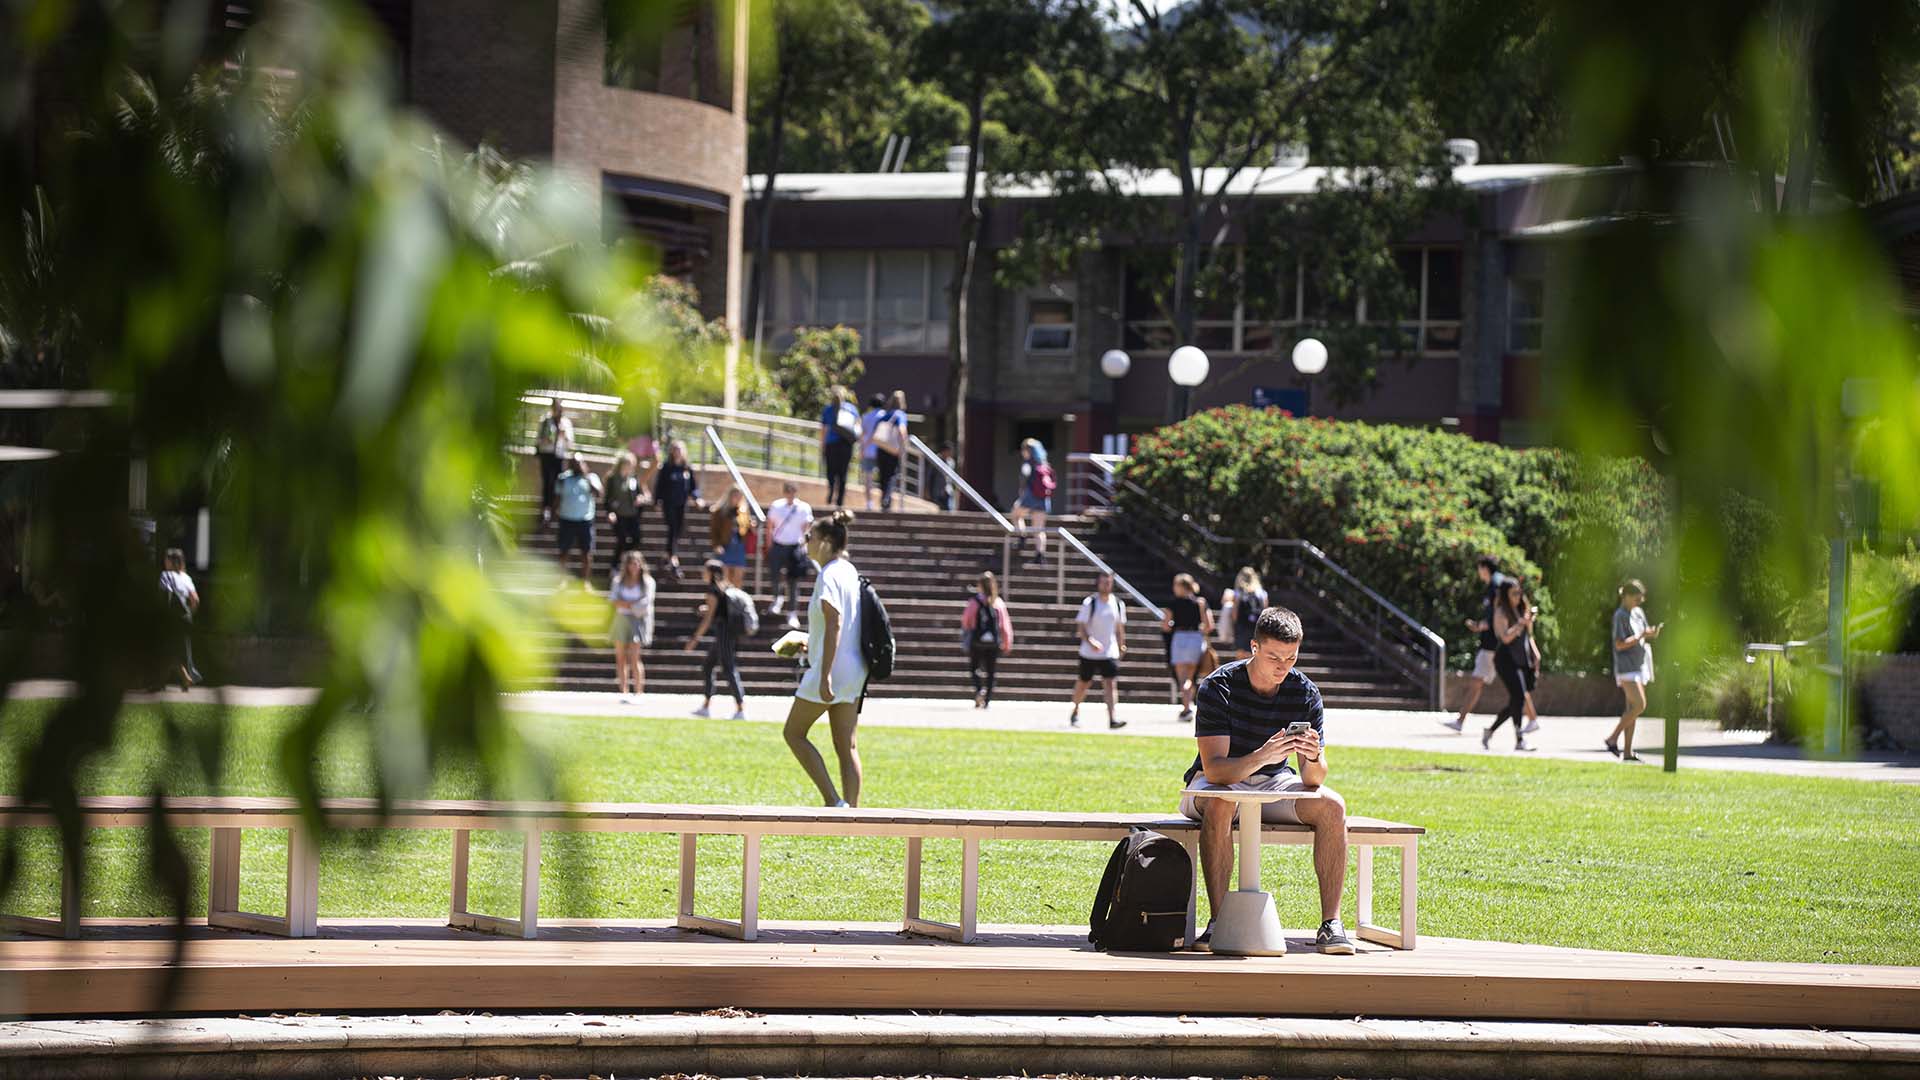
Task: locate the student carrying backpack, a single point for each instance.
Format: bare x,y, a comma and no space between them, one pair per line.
1143,897
742,619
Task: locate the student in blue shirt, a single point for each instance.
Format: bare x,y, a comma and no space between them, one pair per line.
839,431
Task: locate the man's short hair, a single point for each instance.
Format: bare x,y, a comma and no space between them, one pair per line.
1278,624
1492,564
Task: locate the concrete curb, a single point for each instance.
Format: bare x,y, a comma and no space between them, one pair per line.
905,1044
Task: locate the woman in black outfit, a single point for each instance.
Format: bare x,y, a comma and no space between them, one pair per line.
989,635
675,484
1512,656
1191,623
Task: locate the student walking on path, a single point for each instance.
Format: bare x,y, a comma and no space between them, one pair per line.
839,435
1483,672
675,484
553,446
890,445
1190,621
788,520
625,498
1240,609
727,530
1632,664
1101,624
184,600
575,494
722,611
836,674
869,453
1513,630
1036,494
987,631
632,597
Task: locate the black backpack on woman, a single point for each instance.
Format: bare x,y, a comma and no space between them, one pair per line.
986,627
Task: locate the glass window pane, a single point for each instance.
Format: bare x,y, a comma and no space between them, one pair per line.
1257,338
1319,304
937,340
900,286
843,289
793,289
1214,337
1443,283
1443,337
1049,325
1271,295
900,337
1409,264
943,271
1526,298
1524,337
1146,281
1153,337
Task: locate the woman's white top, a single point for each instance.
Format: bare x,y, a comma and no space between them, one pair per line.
639,600
838,584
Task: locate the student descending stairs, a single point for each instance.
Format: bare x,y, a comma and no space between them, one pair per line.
924,566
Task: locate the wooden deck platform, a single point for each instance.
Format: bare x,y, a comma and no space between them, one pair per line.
420,967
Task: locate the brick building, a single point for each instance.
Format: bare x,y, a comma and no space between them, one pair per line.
874,251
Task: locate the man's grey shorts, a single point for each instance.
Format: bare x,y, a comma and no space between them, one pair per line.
1282,812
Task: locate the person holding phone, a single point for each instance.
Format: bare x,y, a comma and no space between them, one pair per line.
1632,664
1254,715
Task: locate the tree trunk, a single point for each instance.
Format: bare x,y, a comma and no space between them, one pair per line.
755,314
962,283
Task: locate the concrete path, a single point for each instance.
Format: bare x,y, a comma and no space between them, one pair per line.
736,1042
1573,738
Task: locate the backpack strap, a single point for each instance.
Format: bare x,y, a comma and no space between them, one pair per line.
1109,884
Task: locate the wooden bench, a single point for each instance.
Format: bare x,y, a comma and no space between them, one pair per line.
229,818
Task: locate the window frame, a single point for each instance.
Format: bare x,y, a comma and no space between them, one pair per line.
1071,326
932,302
1537,323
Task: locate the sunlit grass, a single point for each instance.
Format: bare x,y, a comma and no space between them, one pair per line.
1722,864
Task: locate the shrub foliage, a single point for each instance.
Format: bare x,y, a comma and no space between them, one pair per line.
1408,511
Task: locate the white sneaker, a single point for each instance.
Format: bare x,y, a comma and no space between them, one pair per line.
739,714
1532,726
778,603
702,712
1455,724
793,622
626,699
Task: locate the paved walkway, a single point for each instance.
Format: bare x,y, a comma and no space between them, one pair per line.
1574,738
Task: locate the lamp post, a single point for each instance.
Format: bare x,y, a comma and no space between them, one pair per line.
1187,367
1115,363
1309,356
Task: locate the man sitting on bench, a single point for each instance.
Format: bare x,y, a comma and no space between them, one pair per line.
1244,711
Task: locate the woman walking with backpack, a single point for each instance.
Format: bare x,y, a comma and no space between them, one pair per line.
1512,630
728,530
722,612
839,434
632,597
1240,609
1036,494
836,663
1190,621
988,633
890,444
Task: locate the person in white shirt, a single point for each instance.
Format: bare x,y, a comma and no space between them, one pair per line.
632,597
1102,626
836,665
788,520
184,600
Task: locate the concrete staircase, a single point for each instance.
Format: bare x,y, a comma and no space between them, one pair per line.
924,566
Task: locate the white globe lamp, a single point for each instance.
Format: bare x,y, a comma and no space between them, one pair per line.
1187,366
1310,356
1115,364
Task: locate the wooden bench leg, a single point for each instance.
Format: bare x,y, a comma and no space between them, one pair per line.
1405,937
528,924
748,928
967,930
65,925
302,918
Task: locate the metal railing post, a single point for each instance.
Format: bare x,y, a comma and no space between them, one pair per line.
1006,560
1060,572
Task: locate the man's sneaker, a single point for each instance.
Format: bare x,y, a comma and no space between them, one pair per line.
1073,719
1333,939
1456,724
1204,943
702,712
740,713
1532,726
1521,744
778,601
793,621
1185,715
1116,725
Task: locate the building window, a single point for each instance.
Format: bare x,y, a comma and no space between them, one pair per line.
1049,326
677,48
1267,317
1526,314
896,300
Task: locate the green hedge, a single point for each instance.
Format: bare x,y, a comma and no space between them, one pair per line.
1408,511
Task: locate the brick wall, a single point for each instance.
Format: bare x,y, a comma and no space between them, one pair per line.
484,71
1890,697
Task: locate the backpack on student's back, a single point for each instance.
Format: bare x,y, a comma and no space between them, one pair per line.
742,619
1043,481
1142,902
846,420
876,633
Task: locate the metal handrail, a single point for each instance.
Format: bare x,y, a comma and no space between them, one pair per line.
753,506
1100,565
960,484
770,418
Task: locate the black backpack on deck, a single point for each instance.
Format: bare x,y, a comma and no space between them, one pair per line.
876,633
1142,902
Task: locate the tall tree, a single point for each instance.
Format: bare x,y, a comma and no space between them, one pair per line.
816,56
979,52
1216,95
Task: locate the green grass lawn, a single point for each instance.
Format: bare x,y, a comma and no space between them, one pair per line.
1599,856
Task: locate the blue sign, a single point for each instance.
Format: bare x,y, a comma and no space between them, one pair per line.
1292,399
